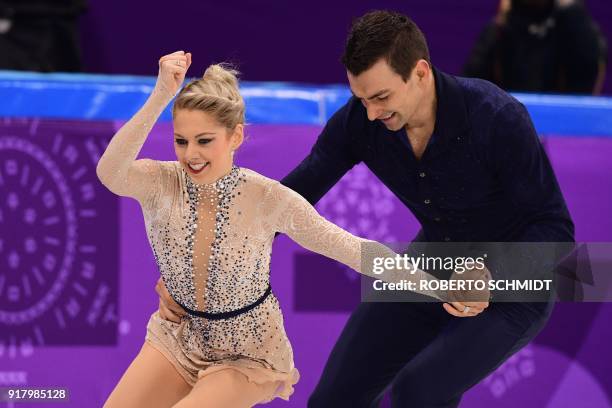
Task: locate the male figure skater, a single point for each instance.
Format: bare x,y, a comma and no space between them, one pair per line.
464,157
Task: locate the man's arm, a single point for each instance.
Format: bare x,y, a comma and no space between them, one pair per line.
529,183
331,157
527,177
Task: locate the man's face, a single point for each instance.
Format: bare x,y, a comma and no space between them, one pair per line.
386,96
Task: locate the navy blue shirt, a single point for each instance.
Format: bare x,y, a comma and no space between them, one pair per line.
484,175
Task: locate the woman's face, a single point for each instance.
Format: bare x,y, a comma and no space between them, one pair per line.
203,146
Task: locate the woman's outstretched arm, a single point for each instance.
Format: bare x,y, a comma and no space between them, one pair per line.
118,168
297,218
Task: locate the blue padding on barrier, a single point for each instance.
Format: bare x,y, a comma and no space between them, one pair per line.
569,115
103,97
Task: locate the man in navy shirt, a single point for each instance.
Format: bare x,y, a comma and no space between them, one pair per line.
464,157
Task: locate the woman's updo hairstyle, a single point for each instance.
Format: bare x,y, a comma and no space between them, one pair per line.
215,93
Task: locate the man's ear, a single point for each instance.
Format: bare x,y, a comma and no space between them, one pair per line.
422,69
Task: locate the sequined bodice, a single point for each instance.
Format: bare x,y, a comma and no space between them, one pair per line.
213,250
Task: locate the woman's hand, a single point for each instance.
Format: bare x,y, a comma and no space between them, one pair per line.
172,70
469,303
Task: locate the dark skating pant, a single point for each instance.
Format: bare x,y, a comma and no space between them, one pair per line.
427,357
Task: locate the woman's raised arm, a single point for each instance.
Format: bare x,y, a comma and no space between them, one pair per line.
118,168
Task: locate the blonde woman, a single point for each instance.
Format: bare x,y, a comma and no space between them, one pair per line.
211,225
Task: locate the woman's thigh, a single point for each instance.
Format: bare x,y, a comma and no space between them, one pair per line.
150,381
226,388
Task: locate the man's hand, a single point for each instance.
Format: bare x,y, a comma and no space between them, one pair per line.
469,303
168,308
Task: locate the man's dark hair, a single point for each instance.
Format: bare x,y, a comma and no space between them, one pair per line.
384,34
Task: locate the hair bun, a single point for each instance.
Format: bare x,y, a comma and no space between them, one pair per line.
224,73
216,93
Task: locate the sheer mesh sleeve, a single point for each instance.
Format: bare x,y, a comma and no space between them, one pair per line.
298,219
118,168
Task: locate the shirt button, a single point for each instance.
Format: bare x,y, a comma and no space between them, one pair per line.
422,174
427,201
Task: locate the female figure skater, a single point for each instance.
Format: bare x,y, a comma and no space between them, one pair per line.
211,225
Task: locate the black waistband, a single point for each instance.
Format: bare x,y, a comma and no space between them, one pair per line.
231,313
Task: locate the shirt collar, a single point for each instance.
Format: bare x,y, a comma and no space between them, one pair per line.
451,112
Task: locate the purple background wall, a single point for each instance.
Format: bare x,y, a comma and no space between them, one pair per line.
274,40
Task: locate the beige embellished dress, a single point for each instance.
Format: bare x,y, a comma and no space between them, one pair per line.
212,244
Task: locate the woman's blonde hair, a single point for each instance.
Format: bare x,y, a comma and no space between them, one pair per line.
215,93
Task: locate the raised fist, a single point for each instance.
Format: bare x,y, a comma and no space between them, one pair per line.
172,70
